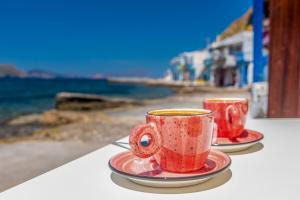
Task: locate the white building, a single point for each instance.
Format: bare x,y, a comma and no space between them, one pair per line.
196,59
243,42
193,59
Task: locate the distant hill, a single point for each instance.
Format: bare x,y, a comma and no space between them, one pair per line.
38,73
7,70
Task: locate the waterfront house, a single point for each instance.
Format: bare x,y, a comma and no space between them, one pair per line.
229,60
232,58
236,45
188,66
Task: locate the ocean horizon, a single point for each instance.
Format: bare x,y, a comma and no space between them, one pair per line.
20,96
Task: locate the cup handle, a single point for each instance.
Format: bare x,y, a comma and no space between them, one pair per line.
232,114
215,134
136,135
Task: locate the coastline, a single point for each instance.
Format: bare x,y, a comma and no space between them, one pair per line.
177,86
29,102
22,96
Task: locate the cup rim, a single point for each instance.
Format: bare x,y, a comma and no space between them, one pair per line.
225,100
207,112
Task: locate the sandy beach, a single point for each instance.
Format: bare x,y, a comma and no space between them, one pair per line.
57,137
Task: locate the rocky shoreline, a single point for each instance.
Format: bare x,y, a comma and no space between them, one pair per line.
62,122
65,122
47,125
69,108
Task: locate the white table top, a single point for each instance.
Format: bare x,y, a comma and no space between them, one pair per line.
268,171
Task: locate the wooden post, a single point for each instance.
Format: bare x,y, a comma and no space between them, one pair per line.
284,64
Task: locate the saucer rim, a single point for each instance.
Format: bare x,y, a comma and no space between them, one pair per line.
242,143
170,179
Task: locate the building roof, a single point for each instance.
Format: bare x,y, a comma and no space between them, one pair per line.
239,25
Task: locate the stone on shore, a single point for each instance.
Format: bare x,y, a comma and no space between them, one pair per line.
79,101
55,117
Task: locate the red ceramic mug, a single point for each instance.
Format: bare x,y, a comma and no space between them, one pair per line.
229,115
179,139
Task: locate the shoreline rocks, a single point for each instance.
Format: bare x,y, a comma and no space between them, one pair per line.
79,101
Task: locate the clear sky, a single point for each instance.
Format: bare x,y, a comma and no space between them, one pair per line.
124,37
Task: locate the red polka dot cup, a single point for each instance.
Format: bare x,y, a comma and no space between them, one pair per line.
179,139
229,115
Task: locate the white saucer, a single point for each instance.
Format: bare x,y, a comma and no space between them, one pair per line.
147,171
243,142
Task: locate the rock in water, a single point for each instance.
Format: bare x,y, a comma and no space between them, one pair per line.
79,101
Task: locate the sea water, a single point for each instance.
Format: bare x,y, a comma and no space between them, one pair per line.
22,96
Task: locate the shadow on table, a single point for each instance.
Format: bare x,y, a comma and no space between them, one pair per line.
208,185
255,148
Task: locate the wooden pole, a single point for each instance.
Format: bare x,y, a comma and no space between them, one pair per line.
284,64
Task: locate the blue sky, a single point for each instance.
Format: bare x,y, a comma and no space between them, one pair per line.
123,37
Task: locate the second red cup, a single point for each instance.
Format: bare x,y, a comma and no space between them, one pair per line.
230,115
